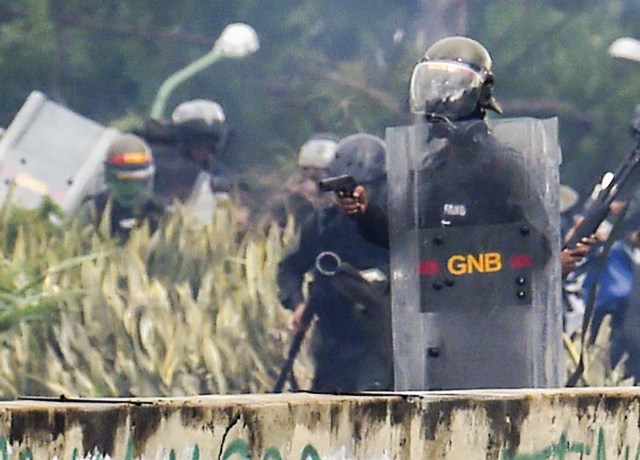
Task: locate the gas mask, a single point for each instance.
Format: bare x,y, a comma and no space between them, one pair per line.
131,193
130,188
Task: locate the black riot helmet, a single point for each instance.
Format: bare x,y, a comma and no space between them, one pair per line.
362,156
453,81
200,128
129,170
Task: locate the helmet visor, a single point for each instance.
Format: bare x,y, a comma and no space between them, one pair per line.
445,88
131,174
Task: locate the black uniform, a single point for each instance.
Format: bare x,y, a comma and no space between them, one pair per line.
475,180
176,172
175,175
349,356
294,204
482,183
123,220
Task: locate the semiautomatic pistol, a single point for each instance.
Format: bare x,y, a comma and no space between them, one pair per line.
342,185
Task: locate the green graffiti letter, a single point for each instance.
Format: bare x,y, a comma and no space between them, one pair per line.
26,454
129,453
601,450
238,447
309,453
272,454
4,448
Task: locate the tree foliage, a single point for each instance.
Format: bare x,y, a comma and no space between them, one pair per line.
326,65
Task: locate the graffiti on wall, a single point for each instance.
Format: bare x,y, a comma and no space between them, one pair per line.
563,449
240,450
237,450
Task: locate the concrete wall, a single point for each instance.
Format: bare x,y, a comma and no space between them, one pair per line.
594,423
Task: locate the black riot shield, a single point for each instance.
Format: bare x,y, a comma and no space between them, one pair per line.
474,235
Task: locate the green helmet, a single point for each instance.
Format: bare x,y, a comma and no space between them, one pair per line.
453,80
460,48
129,170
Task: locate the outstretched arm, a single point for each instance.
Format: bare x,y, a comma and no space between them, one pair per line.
372,220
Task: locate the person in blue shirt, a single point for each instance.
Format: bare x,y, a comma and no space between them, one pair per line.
614,292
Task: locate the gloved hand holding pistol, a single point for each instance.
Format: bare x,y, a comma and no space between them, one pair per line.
354,204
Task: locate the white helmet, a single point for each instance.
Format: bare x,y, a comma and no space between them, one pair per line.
198,109
568,198
318,151
201,120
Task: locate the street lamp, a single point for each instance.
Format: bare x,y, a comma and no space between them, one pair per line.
625,48
237,40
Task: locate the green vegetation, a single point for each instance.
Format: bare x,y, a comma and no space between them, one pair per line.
598,369
325,65
191,309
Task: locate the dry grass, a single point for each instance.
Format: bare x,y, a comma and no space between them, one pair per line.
598,369
191,309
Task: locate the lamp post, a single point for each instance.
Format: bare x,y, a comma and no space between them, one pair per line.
237,40
625,48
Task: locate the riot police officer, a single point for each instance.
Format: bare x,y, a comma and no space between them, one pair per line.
349,294
471,179
470,234
303,198
188,146
129,175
